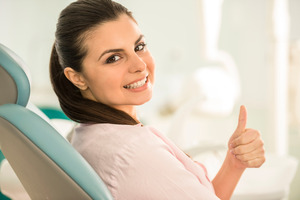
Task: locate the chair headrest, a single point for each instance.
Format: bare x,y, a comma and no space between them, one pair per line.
14,81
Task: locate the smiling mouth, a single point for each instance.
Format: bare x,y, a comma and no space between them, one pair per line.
136,84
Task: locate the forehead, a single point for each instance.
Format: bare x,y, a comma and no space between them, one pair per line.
113,34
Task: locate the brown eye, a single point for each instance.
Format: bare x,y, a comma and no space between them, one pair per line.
113,59
140,47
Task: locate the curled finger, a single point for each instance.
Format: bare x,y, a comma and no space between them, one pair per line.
247,148
257,153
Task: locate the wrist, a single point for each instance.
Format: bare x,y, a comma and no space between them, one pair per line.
227,178
232,163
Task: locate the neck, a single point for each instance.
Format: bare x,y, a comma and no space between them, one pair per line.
130,110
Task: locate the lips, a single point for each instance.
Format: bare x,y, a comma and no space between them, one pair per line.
136,84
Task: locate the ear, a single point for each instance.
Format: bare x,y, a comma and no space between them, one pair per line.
76,78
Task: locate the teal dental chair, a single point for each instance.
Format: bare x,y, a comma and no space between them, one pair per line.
45,162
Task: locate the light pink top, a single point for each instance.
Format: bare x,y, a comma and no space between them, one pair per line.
139,163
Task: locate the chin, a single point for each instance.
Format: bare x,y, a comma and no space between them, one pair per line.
143,101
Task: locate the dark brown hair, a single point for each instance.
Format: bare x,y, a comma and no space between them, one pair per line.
74,23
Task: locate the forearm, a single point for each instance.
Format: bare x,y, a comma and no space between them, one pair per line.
226,179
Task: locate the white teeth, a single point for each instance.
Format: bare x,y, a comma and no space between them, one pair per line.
136,84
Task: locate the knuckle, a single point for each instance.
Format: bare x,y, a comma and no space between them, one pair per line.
257,134
263,150
262,142
234,143
253,135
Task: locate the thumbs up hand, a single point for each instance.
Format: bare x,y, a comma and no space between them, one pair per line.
245,147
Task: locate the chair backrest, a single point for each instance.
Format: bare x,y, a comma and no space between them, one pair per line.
46,164
14,83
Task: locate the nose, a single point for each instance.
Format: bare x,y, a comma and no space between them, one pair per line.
137,64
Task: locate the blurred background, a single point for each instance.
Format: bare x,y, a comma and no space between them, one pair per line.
211,57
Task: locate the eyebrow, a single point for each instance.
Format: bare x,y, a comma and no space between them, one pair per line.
118,50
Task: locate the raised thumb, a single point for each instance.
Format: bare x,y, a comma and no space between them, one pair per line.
242,120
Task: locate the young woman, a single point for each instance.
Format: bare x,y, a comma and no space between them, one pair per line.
101,69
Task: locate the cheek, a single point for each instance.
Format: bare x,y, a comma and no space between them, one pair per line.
100,83
106,91
108,83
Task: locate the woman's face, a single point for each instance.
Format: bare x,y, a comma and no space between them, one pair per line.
118,69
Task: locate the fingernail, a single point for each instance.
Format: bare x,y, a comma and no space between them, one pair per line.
231,151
